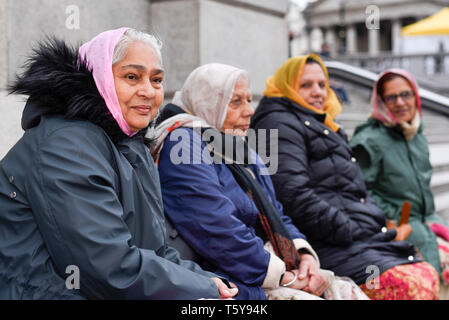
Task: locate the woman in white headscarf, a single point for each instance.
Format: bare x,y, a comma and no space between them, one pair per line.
218,195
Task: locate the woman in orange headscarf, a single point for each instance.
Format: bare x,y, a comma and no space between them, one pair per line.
320,185
288,82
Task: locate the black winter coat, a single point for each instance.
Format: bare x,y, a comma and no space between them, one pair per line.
321,187
78,195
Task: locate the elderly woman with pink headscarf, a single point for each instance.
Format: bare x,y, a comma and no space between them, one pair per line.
394,157
82,214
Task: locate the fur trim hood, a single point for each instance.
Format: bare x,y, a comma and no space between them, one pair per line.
57,84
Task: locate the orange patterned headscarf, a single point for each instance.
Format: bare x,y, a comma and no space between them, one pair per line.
285,83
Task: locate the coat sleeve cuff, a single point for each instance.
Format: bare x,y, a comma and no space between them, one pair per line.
276,268
303,244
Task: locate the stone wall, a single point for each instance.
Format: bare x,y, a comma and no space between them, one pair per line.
3,44
32,20
248,34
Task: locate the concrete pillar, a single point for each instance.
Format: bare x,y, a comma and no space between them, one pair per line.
331,39
373,41
316,40
309,39
396,26
180,38
251,35
298,45
308,34
351,39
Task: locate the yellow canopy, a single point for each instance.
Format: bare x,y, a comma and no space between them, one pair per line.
437,24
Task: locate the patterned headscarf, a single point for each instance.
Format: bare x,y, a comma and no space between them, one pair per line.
286,81
381,112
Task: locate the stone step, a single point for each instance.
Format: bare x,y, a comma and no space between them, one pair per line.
439,158
440,182
439,154
442,205
437,139
441,177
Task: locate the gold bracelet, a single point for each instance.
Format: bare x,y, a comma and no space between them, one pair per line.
291,282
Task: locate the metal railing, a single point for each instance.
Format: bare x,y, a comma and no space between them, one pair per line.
430,100
422,64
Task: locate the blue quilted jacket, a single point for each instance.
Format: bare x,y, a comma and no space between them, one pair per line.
215,216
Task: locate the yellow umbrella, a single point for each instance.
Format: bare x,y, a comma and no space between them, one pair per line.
437,24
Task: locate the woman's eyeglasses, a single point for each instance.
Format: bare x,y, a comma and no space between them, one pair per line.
404,95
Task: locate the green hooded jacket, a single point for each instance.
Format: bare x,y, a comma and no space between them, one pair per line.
396,170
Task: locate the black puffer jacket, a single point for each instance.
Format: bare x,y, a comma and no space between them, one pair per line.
321,187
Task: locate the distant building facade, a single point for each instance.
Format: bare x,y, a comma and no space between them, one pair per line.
350,27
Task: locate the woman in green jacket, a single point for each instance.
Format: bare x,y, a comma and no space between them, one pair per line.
394,157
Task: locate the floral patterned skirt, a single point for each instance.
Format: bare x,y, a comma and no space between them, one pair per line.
443,250
417,281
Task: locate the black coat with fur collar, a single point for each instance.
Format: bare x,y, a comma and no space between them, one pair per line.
81,212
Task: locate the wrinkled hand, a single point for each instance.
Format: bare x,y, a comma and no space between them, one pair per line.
309,270
299,284
308,277
224,291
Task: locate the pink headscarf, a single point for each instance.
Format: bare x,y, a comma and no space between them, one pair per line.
380,110
97,54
